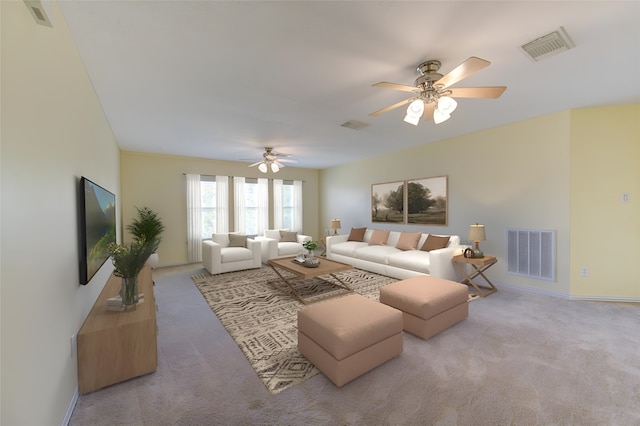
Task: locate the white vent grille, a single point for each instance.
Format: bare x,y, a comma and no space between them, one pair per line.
548,45
531,253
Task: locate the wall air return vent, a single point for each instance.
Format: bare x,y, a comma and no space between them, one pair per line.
531,253
548,45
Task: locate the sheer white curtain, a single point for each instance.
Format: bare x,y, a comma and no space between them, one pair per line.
297,206
194,220
239,204
277,204
263,205
222,204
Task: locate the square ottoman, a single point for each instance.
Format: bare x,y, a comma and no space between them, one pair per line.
348,336
428,304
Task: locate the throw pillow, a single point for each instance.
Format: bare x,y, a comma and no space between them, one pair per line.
379,237
237,240
434,242
288,237
222,239
357,234
408,240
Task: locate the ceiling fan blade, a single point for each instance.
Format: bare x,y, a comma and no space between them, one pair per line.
255,164
394,86
286,160
477,92
390,107
428,111
464,70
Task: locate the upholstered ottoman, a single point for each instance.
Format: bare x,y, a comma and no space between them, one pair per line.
428,304
348,336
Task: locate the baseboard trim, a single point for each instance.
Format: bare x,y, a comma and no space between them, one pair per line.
569,296
70,408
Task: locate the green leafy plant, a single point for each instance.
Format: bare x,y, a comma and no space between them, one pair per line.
147,227
310,245
129,259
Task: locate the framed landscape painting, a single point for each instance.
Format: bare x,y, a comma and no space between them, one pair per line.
387,202
427,201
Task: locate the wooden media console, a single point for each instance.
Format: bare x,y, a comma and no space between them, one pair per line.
116,346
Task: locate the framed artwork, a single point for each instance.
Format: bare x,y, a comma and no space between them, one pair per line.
427,201
387,202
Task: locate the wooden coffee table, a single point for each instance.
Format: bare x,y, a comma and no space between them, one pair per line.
302,273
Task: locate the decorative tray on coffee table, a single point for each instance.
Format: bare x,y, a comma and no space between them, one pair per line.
308,263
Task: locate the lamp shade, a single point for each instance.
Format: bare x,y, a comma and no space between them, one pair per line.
439,116
447,105
335,224
262,167
476,233
274,168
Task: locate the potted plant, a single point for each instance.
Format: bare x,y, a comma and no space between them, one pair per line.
311,246
128,260
147,227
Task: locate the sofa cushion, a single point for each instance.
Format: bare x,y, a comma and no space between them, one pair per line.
377,254
408,240
235,254
347,248
221,239
237,240
357,234
435,242
379,237
288,237
288,248
412,260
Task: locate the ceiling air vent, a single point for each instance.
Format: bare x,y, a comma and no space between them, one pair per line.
548,45
355,125
38,12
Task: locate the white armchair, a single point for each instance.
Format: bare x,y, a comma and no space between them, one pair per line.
230,252
281,243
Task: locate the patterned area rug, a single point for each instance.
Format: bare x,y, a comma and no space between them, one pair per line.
263,320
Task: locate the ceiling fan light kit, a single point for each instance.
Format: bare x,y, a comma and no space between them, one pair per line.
271,160
432,89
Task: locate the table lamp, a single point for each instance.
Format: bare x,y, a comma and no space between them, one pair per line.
335,225
477,234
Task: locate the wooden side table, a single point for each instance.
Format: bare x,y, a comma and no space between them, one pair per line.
479,265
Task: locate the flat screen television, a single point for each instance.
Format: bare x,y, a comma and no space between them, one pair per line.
97,213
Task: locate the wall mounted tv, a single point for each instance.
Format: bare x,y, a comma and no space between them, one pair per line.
97,215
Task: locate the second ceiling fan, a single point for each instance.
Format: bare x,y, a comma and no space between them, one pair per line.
432,95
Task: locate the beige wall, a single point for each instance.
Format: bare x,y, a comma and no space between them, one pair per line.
53,132
605,232
535,174
158,182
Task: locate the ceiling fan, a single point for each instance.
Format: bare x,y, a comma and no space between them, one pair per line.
432,94
272,160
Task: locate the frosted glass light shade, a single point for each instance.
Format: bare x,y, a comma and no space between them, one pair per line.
262,167
439,117
412,119
274,168
447,105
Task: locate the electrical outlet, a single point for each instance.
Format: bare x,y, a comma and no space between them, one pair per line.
584,271
626,197
74,345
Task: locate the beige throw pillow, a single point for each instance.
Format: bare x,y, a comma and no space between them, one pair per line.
288,237
379,237
357,234
237,240
434,242
408,240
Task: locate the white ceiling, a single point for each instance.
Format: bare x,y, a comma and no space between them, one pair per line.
221,80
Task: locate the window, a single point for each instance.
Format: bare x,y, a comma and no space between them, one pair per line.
251,205
208,198
287,205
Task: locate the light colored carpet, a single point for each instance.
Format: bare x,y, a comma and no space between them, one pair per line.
263,320
520,358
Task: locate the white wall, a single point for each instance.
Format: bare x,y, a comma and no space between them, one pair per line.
53,131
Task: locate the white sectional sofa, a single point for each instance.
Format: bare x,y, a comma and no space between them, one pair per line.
392,261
